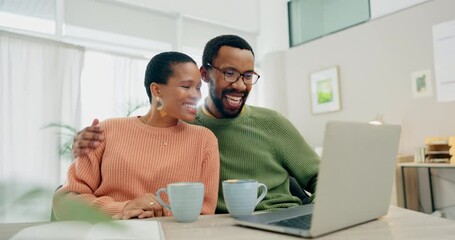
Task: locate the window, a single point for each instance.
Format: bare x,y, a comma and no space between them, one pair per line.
112,86
312,19
37,16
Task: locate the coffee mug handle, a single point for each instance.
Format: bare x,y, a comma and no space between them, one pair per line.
158,197
263,192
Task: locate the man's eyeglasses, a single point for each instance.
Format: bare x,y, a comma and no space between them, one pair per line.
232,75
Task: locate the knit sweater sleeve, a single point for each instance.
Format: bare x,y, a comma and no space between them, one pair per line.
210,173
299,159
84,178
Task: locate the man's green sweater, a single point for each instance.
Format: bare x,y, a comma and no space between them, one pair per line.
261,144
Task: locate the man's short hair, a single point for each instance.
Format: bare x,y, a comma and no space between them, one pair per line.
213,46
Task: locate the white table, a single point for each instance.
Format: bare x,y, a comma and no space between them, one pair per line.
399,223
428,166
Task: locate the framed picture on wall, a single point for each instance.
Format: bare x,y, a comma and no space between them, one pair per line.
421,84
325,91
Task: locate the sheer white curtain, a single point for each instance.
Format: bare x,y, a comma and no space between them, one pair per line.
112,85
39,84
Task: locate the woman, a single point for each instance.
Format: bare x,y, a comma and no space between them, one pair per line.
139,155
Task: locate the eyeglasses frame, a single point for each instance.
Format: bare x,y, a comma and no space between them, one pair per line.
240,75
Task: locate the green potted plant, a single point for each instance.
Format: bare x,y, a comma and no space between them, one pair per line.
68,132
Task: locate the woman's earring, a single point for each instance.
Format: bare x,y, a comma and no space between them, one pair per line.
159,107
159,104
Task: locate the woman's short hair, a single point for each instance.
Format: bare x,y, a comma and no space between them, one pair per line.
161,67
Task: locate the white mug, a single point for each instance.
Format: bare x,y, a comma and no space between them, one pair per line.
241,196
185,200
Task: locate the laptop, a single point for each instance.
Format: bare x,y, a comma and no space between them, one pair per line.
354,185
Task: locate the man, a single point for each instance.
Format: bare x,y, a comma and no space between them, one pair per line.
254,143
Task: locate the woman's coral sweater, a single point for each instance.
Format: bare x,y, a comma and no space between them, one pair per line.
135,159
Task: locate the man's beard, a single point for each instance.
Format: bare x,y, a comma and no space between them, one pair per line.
219,102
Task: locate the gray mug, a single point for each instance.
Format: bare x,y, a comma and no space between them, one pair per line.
185,200
241,196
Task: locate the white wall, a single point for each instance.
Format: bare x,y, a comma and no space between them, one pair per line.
274,30
241,14
271,88
381,8
375,60
195,22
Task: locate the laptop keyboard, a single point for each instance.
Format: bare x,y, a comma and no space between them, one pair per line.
302,222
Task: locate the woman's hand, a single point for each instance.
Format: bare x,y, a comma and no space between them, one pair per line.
142,207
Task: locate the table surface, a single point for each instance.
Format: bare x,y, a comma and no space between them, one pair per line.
426,165
399,223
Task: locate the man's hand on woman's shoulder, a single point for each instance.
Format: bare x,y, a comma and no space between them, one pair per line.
87,139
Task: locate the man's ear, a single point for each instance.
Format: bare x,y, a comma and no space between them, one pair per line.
155,89
204,74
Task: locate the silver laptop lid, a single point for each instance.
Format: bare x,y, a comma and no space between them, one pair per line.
355,176
354,181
